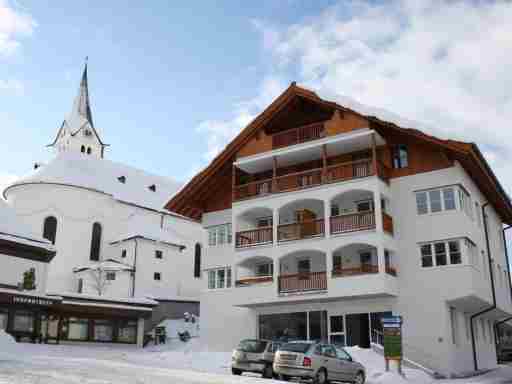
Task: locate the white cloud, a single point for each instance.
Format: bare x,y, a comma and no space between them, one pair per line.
14,23
221,132
446,64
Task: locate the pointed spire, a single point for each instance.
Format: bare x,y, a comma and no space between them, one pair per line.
82,105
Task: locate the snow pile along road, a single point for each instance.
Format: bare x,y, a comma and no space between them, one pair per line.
9,349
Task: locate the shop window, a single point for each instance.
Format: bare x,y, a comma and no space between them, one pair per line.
78,329
103,330
23,321
50,228
127,332
95,242
337,335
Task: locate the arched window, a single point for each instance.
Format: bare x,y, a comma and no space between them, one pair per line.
197,261
95,242
82,149
88,150
50,228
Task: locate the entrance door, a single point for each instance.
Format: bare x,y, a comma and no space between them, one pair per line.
358,330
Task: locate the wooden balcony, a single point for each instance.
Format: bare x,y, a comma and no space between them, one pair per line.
309,178
303,282
253,280
298,135
352,222
364,269
302,230
387,223
257,236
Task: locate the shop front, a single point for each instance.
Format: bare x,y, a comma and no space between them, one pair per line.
24,315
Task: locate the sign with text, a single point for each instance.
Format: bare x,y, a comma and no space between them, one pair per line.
392,331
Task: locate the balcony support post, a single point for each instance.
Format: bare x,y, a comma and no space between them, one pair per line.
374,154
276,273
275,225
274,175
381,259
324,163
327,218
233,183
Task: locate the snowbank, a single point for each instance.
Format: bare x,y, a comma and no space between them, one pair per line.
9,349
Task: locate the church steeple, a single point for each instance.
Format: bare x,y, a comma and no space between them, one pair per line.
77,132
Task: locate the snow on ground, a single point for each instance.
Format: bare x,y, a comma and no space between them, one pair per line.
177,362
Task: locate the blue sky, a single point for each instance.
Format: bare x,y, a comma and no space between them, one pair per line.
155,74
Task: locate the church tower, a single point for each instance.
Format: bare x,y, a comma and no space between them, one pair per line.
77,133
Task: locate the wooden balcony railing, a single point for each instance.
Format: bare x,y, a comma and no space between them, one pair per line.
361,270
257,236
253,280
309,178
302,230
299,180
387,223
252,189
298,135
359,221
300,282
349,170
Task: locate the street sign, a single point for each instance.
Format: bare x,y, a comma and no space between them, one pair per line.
392,331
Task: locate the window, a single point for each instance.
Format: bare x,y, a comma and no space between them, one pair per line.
219,278
111,276
335,210
103,330
82,149
95,242
304,266
157,276
197,260
159,254
400,156
89,150
426,255
264,222
337,330
264,269
123,253
80,285
50,228
364,206
78,329
127,331
435,200
453,320
441,253
220,234
23,321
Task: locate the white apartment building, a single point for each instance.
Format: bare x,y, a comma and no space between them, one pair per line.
322,219
119,253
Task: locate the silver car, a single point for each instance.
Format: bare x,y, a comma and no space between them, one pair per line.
317,361
254,356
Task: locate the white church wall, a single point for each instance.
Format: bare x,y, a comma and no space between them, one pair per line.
119,287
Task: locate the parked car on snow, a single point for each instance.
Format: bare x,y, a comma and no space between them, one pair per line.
318,361
253,355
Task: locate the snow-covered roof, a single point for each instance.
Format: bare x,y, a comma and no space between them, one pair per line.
30,294
13,229
127,300
124,183
154,234
106,265
173,298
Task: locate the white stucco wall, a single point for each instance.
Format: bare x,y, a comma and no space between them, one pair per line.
12,269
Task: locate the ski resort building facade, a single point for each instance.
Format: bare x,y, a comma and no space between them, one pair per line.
322,219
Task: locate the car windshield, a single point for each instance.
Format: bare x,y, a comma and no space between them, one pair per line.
295,347
252,346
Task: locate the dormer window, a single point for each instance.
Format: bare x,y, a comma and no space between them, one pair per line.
152,187
122,179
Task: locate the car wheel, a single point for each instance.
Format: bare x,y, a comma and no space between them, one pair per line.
268,372
321,376
235,371
359,378
284,378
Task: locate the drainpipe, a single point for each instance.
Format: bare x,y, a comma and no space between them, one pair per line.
134,267
493,290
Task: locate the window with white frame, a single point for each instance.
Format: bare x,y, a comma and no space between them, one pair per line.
219,278
455,330
441,253
110,276
436,200
337,334
219,235
465,202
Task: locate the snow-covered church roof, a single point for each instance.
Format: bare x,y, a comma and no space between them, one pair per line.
13,229
124,183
